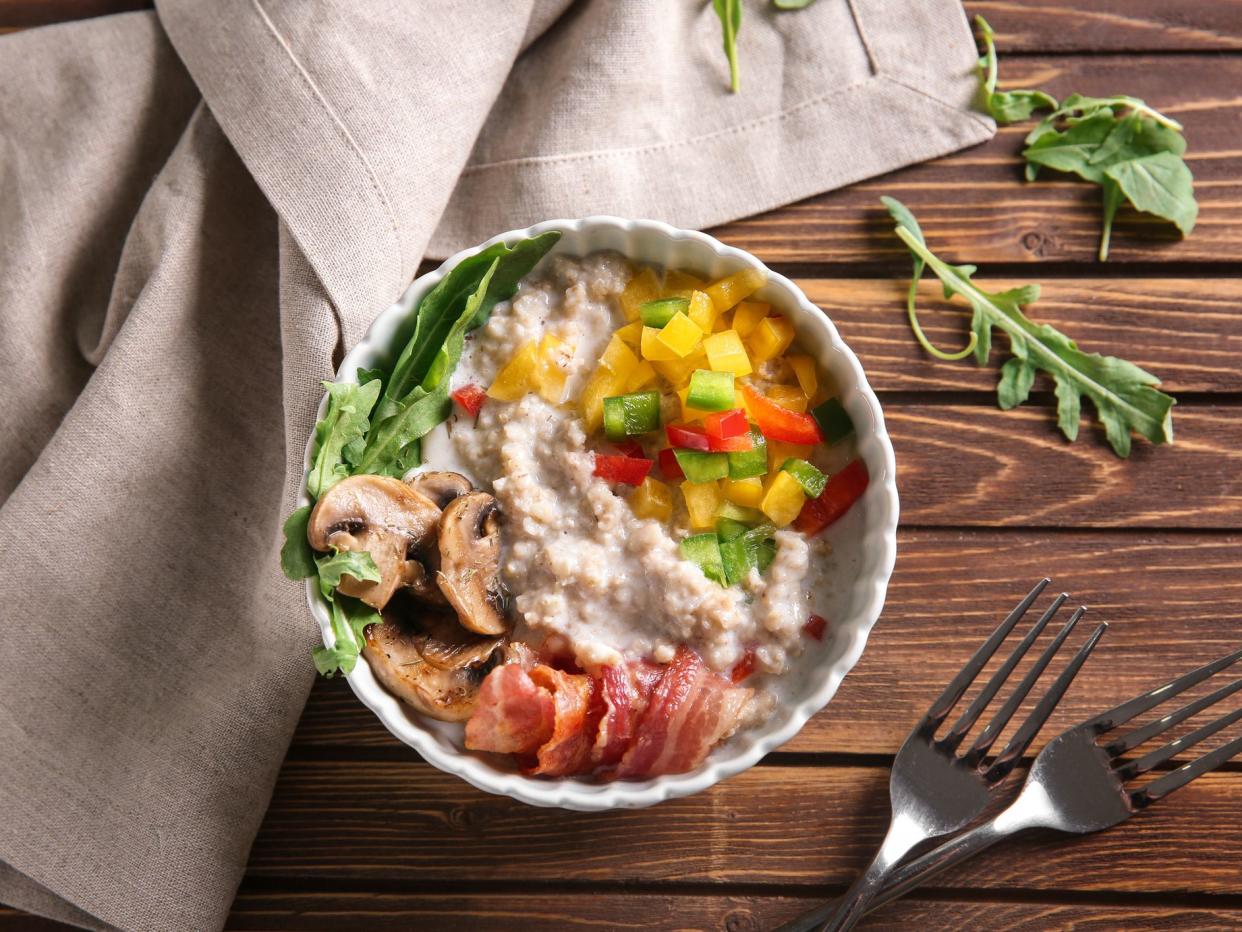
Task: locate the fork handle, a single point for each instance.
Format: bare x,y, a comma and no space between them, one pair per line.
902,835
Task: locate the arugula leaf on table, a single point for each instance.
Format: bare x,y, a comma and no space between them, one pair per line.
792,4
1124,395
1005,106
297,560
350,618
730,14
1132,151
388,448
437,311
345,423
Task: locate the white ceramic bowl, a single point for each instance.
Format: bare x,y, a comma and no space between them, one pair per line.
864,541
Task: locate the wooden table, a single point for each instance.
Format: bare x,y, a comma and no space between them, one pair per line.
362,834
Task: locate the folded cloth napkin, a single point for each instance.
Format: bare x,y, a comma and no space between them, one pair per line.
200,208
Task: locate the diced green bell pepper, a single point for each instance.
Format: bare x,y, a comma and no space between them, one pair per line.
702,467
727,529
833,422
749,550
741,514
703,550
754,462
658,313
628,415
711,391
810,478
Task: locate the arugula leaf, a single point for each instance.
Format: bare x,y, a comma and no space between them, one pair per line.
350,618
730,14
1005,106
1132,151
387,450
356,563
792,4
345,423
1123,394
297,560
439,308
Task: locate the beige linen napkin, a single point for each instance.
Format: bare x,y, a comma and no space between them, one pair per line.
198,207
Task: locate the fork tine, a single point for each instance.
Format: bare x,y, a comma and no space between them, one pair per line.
1109,720
1158,789
968,718
1133,739
1157,757
1022,738
960,683
989,735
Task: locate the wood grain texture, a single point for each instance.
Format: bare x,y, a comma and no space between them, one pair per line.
1111,25
407,822
22,14
1174,601
975,207
1183,330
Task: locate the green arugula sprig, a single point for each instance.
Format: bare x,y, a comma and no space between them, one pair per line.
375,425
730,14
1124,395
1005,106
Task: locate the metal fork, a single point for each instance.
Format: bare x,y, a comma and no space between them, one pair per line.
1078,785
934,791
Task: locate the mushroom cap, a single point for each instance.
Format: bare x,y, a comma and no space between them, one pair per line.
440,486
401,654
384,517
470,562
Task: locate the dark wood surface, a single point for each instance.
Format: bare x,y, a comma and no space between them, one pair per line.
361,834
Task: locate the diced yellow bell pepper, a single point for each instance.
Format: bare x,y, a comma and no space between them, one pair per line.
804,369
688,413
789,397
630,334
681,335
677,372
702,500
652,499
679,284
771,338
554,356
642,376
747,316
602,384
702,311
651,347
783,499
518,375
779,451
725,353
734,288
745,492
643,287
619,358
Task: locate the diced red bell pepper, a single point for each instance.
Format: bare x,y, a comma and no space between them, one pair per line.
629,448
628,469
742,444
685,437
470,397
724,424
779,423
842,490
815,627
744,667
669,465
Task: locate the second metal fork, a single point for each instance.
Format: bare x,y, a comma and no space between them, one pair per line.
935,791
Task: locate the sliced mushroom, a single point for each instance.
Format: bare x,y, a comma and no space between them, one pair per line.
444,643
470,562
387,519
440,487
400,655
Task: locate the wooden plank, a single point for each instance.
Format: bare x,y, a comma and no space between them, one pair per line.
975,207
537,910
1184,330
1111,25
1174,601
390,822
22,14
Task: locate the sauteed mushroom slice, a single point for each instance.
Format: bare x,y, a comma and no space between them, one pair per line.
399,653
445,644
440,487
470,562
384,517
